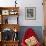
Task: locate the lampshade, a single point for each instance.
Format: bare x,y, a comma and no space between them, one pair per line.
15,30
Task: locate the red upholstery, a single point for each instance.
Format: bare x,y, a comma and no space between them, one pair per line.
29,33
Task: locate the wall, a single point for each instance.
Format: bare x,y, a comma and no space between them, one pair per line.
27,3
25,23
36,29
39,13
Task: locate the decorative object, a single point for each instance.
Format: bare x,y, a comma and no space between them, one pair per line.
15,3
31,41
15,37
5,12
30,13
7,34
30,38
13,12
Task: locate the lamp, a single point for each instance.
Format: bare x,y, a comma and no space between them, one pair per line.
15,30
15,35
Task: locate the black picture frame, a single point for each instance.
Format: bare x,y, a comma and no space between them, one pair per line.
30,13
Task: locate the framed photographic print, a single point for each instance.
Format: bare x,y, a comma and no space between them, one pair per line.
5,12
30,13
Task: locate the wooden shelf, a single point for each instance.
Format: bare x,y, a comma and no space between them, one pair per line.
4,13
11,26
9,9
10,43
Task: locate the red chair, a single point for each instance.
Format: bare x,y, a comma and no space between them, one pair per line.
29,33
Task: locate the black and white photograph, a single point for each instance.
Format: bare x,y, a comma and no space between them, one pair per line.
30,13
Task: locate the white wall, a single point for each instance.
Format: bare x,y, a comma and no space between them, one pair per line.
39,12
27,3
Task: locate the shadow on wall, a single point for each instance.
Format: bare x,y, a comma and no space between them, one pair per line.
37,29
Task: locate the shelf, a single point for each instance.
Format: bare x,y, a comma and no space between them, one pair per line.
5,8
11,41
9,10
9,19
10,26
5,12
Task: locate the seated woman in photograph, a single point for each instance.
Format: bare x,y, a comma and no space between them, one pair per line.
30,38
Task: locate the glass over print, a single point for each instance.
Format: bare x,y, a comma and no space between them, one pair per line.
30,13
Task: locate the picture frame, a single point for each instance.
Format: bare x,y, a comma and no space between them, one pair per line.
30,13
5,12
